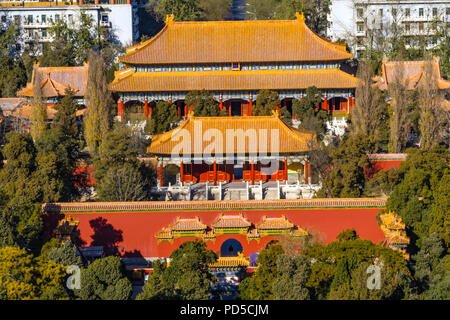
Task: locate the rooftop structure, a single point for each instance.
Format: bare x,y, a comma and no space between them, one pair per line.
253,149
412,74
234,60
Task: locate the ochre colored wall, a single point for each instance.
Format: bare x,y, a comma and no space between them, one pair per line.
135,231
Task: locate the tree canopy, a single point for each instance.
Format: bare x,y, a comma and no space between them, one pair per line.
186,278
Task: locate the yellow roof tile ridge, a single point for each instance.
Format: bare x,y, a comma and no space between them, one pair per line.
288,128
165,136
130,51
120,75
325,42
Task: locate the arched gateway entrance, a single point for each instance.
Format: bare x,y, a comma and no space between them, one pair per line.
230,248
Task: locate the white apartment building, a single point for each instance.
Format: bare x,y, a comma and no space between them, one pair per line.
359,21
34,18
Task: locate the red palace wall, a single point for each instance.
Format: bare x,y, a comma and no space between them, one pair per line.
133,233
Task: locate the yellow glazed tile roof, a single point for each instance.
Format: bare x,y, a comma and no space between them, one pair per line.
187,225
130,81
234,41
411,72
56,79
289,140
224,262
274,223
231,221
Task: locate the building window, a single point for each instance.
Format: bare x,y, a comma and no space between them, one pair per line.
4,18
71,18
421,27
44,18
434,12
447,11
407,12
420,12
381,12
359,13
394,12
105,18
407,27
360,27
30,19
56,17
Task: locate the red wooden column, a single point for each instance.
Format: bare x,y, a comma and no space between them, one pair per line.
215,172
80,2
285,169
252,172
96,2
185,110
181,172
146,109
325,104
306,169
160,173
229,110
220,104
250,105
120,109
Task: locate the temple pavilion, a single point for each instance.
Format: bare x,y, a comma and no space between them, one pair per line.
55,80
234,60
232,149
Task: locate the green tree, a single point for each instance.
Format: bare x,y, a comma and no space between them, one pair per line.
71,46
260,285
57,154
186,278
24,277
6,232
164,117
413,196
266,102
348,234
65,254
66,119
295,272
215,10
311,117
104,279
98,119
122,184
347,179
119,175
205,105
61,51
38,114
183,10
370,114
339,270
315,11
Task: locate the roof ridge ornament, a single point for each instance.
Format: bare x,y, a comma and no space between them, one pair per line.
169,19
300,16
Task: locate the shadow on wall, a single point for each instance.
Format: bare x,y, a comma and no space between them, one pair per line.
105,235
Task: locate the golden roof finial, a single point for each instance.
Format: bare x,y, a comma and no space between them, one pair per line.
169,18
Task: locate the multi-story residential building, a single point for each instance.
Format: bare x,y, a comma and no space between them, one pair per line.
34,18
365,23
